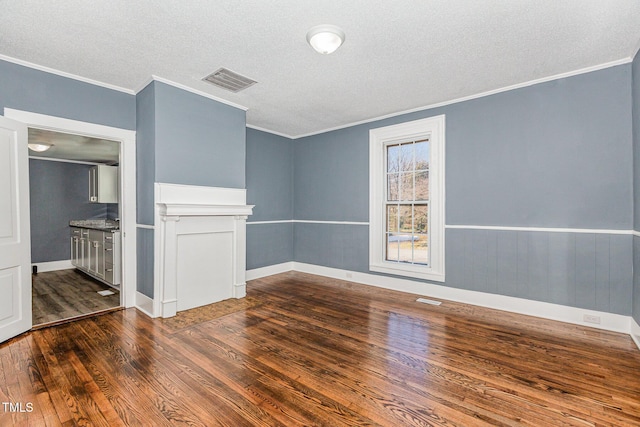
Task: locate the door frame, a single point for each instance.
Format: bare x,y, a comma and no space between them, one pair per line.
127,139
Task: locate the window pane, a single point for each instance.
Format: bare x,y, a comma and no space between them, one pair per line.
393,186
405,243
406,219
393,155
422,155
420,218
422,185
406,186
392,219
393,245
420,249
406,157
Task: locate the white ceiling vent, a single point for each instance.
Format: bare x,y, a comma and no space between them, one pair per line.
229,80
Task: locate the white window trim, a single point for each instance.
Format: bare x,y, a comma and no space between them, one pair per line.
434,128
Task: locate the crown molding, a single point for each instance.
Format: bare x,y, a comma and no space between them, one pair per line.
65,74
273,132
188,89
476,96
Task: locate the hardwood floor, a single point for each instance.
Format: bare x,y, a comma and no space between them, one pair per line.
65,294
306,350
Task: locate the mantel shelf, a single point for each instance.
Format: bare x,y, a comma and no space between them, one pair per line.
182,209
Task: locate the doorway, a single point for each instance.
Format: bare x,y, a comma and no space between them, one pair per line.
75,233
126,186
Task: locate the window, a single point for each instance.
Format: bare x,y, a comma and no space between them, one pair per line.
406,229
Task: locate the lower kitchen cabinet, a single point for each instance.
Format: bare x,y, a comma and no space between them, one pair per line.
97,253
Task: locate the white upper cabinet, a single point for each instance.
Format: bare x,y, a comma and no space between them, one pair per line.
103,184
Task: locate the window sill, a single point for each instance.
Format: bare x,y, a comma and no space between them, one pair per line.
424,273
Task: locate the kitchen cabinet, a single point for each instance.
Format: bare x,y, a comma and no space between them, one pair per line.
79,247
97,253
103,184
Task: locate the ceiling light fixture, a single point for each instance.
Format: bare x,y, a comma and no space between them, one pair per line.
325,39
39,146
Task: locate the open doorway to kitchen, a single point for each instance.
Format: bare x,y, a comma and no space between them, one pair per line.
126,204
75,225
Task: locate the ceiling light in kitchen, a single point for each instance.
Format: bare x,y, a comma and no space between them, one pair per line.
39,146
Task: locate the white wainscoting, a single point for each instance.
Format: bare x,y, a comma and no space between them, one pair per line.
200,246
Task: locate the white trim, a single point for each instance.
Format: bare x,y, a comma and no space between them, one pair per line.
146,226
269,131
51,159
308,221
127,183
144,304
65,74
636,48
609,321
188,89
305,221
43,267
270,270
467,227
373,119
634,332
542,229
179,210
433,128
278,221
470,97
197,194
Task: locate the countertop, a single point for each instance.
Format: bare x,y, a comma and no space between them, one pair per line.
96,224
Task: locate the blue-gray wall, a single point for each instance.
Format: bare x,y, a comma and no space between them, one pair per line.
636,185
145,153
59,192
269,174
198,141
182,138
27,89
145,178
556,154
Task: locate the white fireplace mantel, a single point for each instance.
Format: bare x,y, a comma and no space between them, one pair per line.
200,246
182,209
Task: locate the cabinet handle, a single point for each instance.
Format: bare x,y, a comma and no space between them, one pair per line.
107,250
108,238
108,269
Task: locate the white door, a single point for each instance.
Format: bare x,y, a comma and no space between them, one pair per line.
15,244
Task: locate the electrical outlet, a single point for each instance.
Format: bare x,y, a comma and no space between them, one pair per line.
349,276
588,318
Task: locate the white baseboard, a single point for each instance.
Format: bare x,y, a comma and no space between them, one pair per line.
608,321
43,267
269,270
635,332
144,304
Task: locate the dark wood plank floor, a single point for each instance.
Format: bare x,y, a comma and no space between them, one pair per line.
65,294
313,351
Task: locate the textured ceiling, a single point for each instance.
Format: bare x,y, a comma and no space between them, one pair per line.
75,147
398,55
